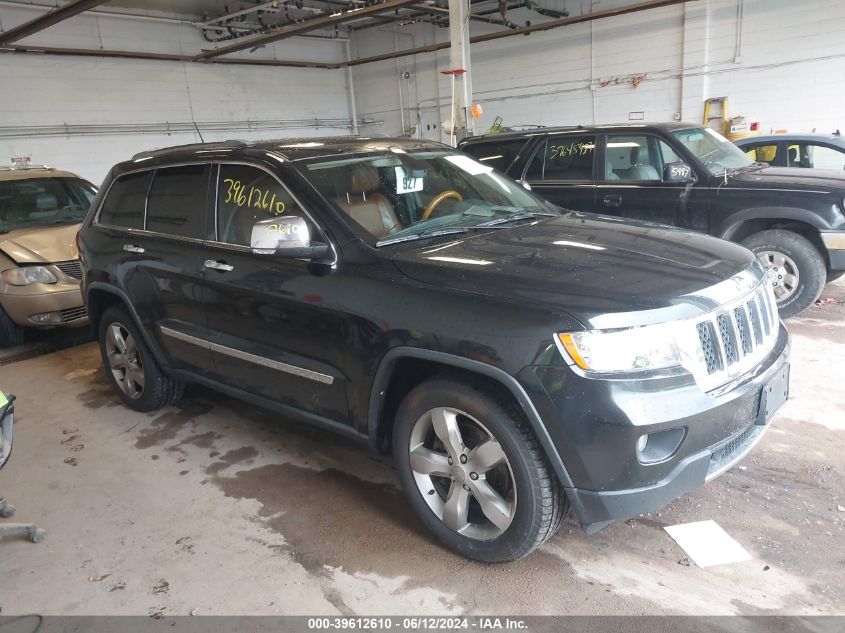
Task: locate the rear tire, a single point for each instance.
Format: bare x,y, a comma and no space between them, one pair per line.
797,269
833,276
130,366
519,490
11,334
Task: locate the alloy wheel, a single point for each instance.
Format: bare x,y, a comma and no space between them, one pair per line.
124,360
782,271
462,473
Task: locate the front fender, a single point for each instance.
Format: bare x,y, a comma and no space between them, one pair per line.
382,381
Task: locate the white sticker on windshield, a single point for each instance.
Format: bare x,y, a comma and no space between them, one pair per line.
406,183
470,166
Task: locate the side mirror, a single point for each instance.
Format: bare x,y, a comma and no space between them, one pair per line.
288,236
524,184
678,172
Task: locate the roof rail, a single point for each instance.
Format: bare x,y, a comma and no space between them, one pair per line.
175,148
24,167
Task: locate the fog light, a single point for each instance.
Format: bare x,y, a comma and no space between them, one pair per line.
659,446
46,317
642,443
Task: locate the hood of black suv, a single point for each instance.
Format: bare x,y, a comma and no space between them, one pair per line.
584,265
792,179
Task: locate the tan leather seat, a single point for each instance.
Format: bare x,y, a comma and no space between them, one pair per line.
365,205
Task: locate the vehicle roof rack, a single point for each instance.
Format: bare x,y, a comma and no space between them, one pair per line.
24,167
189,146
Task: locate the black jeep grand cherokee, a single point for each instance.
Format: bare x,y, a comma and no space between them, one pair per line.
519,360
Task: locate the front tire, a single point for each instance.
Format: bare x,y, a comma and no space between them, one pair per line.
130,366
11,334
796,268
474,472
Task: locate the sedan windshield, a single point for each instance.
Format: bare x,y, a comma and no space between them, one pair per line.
399,195
714,151
42,201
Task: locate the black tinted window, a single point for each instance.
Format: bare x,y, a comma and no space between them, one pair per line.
245,196
124,204
498,155
570,158
177,202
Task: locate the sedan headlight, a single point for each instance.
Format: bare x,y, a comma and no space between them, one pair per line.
618,351
26,275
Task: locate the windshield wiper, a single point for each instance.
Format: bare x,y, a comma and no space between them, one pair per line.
516,217
421,235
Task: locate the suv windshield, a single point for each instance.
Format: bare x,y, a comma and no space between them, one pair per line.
397,194
714,151
40,201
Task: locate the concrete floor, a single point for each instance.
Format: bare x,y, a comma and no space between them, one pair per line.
217,507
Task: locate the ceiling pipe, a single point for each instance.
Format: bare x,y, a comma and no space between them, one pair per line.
169,57
303,27
59,14
545,26
525,30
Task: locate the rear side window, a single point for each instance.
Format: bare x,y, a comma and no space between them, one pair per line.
563,158
124,204
498,155
569,158
178,201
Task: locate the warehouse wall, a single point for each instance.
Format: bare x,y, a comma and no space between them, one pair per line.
780,62
41,90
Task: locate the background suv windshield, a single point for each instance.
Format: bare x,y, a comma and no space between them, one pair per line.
397,193
41,201
714,151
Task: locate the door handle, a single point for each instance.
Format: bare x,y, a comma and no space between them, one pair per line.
223,266
612,201
133,248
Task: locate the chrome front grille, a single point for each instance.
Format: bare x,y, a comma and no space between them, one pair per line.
71,268
734,338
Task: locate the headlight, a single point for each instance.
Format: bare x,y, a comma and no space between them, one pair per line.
629,350
27,275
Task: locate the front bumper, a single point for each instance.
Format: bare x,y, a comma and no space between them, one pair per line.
834,242
599,423
63,302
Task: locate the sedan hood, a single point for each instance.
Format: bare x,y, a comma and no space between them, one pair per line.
791,178
39,245
601,271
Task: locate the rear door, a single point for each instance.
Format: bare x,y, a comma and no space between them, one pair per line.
633,186
562,170
162,271
273,329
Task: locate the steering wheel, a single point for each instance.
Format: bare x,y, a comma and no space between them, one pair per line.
440,197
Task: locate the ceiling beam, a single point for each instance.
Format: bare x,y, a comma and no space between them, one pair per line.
304,27
59,14
525,30
168,57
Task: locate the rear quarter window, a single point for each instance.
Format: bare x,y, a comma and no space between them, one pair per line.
498,155
124,203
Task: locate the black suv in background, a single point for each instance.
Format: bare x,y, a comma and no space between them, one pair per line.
519,360
688,176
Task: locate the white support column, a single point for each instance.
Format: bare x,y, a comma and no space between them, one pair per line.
459,60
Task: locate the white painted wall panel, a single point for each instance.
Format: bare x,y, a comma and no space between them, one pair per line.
38,90
782,64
